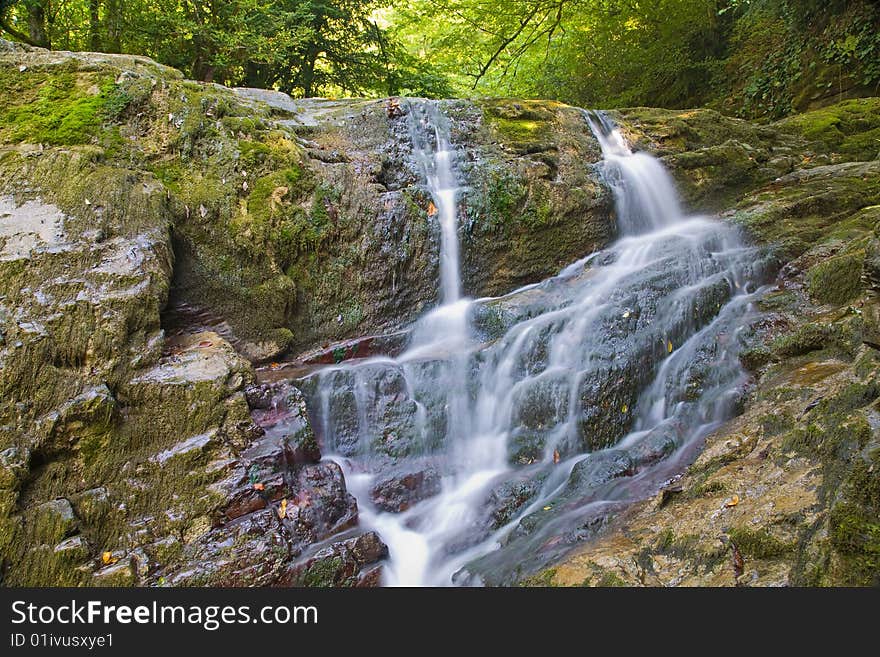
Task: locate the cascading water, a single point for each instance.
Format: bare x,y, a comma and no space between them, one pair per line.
509,445
436,162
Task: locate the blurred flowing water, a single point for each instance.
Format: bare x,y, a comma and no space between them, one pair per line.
510,429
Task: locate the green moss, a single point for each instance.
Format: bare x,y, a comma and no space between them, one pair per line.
815,336
774,424
520,122
542,579
611,579
665,540
852,397
519,130
677,546
837,280
274,151
854,524
57,108
323,572
691,129
835,431
253,154
778,300
706,488
850,128
754,358
850,555
267,198
829,436
759,544
867,364
812,206
499,200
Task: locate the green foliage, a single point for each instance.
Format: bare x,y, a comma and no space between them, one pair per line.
304,47
786,55
756,58
752,58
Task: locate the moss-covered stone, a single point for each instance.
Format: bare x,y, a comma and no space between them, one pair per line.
790,484
850,130
758,544
528,193
854,530
117,440
837,280
522,125
59,105
714,158
807,207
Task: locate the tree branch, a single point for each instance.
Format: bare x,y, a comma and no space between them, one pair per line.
21,36
506,42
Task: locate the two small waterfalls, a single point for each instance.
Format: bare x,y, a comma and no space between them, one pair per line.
511,428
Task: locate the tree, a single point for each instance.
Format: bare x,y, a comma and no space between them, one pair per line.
35,14
304,47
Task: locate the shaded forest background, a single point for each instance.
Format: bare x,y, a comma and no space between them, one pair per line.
750,58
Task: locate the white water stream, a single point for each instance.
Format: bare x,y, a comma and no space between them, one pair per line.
660,307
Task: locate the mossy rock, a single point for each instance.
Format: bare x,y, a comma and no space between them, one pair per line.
811,206
854,525
850,129
713,158
61,105
837,280
759,543
522,124
844,336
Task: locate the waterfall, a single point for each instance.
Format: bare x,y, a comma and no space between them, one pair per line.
600,387
644,193
436,161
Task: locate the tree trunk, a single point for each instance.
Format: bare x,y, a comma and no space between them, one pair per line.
94,25
36,14
257,75
308,71
114,25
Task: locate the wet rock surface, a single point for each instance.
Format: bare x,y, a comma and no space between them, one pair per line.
275,507
400,492
352,562
358,182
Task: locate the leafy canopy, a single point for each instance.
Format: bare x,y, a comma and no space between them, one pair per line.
748,57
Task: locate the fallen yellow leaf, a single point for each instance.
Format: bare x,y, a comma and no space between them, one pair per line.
282,510
624,408
555,456
547,508
733,501
432,209
669,346
107,557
